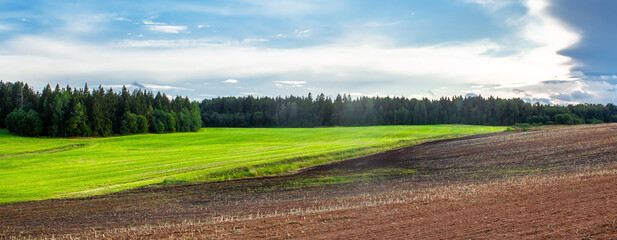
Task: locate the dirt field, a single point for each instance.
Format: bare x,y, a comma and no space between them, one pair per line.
558,183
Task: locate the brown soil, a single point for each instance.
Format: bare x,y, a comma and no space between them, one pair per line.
579,208
543,184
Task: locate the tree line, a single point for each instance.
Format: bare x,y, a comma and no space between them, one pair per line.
306,111
67,112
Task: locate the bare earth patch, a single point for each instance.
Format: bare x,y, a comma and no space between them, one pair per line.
558,183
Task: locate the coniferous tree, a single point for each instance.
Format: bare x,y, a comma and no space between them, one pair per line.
73,112
77,123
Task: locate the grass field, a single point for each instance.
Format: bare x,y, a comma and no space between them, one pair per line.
43,168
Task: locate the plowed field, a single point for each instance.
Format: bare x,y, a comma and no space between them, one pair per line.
555,183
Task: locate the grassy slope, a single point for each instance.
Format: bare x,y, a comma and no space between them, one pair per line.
40,168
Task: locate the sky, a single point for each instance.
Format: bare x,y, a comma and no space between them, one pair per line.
547,51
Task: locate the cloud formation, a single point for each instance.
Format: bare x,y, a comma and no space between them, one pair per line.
595,20
122,19
339,63
147,87
284,84
163,27
371,54
4,27
232,81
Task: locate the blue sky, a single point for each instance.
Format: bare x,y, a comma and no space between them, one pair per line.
544,51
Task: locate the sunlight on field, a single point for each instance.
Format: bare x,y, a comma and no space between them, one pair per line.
43,168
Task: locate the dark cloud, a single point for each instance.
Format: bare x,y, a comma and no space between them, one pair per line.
518,91
471,95
595,21
576,96
581,96
555,81
136,84
563,97
544,101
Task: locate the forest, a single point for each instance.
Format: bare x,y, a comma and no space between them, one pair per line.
67,112
294,111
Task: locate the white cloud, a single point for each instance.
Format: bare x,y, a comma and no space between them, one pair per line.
334,67
375,94
547,30
568,92
203,26
164,87
493,5
148,87
283,84
233,81
167,28
158,43
150,22
122,19
4,27
270,8
163,27
252,40
608,77
32,58
83,23
302,33
481,2
288,7
382,24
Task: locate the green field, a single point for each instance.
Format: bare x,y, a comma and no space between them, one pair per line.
43,168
